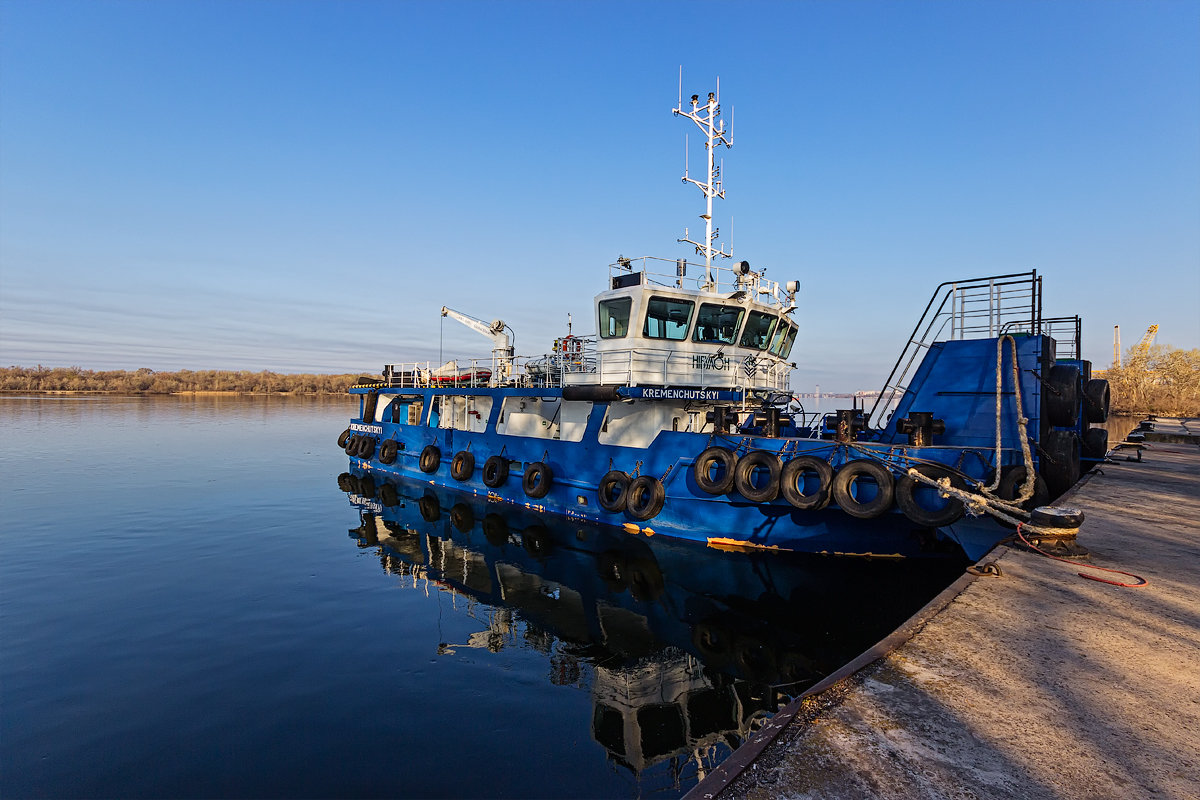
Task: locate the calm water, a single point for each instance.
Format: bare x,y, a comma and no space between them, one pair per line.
194,604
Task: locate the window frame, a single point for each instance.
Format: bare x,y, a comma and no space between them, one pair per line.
737,326
602,306
766,338
663,321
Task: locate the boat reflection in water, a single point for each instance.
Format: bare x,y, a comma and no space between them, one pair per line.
686,649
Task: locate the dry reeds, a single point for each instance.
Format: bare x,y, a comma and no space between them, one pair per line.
1163,380
147,381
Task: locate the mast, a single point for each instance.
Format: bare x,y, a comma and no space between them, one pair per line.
708,119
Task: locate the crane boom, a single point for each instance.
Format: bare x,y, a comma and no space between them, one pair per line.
502,343
1144,345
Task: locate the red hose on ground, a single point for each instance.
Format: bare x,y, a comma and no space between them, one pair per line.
1144,582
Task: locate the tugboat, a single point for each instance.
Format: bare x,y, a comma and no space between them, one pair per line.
677,417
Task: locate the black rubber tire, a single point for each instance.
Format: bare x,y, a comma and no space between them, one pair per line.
495,530
721,457
1012,478
388,495
462,517
846,479
537,480
351,446
909,492
431,459
712,640
612,493
462,466
366,448
431,510
537,540
345,437
754,658
792,480
611,567
1060,465
645,498
1094,445
495,471
388,451
747,466
1062,395
1096,399
646,582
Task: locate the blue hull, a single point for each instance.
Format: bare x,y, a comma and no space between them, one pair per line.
688,512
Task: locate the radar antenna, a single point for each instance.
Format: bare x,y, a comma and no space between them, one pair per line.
707,117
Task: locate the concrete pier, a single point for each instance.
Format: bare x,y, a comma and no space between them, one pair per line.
1034,683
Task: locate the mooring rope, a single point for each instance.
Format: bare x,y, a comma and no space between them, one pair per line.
1144,582
977,504
1027,456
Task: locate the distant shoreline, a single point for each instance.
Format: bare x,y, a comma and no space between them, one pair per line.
128,393
75,380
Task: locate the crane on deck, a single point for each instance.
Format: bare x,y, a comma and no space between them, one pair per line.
502,342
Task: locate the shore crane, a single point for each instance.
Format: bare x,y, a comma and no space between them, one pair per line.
502,342
1139,350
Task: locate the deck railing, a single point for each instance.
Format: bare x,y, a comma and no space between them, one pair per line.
977,308
588,365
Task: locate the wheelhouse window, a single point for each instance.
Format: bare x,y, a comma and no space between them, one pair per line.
668,318
717,324
788,342
782,340
614,317
759,328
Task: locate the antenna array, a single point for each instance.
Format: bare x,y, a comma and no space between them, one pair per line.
707,117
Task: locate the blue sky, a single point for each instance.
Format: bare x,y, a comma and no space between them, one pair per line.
301,186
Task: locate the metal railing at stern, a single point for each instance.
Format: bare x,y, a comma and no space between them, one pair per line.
976,308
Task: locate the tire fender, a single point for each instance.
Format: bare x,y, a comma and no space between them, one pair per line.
845,480
792,481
